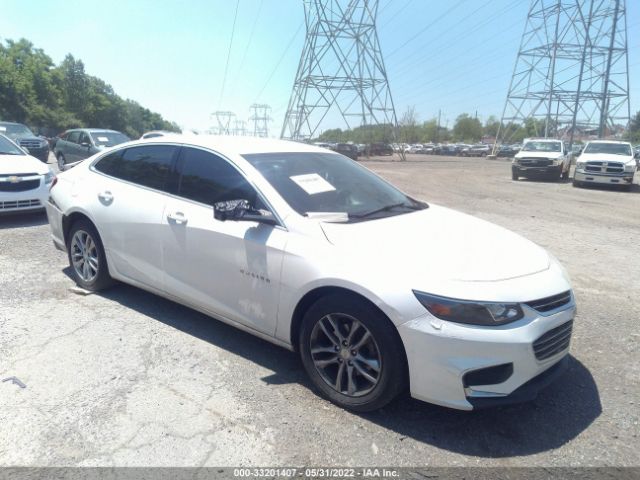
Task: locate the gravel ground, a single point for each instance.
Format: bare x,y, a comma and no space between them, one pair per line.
126,378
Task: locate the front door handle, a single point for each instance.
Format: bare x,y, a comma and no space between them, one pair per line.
106,196
177,217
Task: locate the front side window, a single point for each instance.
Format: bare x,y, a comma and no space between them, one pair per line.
209,179
148,166
317,182
609,148
74,137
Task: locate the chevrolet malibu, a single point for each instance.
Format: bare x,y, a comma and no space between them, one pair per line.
24,180
375,290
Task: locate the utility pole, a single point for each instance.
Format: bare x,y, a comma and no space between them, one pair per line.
224,121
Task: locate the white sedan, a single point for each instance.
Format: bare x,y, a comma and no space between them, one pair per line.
24,180
306,248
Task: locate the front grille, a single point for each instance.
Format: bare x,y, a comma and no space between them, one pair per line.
553,342
19,204
550,303
535,162
30,144
22,186
604,167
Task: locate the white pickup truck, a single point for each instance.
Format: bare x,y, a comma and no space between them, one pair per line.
542,157
606,162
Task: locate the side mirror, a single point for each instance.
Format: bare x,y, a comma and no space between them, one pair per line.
242,210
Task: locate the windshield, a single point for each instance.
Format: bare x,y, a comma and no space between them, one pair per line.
542,147
15,130
7,147
313,182
609,148
108,139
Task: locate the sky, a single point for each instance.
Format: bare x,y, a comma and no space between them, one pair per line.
452,57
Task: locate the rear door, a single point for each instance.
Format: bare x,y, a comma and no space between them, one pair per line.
127,201
229,268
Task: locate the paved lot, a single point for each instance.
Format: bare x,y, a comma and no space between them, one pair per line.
127,378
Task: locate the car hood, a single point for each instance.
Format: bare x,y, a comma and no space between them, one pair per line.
439,242
15,164
522,154
601,157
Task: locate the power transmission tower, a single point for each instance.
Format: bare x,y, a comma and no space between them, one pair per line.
224,121
341,66
260,119
571,73
240,128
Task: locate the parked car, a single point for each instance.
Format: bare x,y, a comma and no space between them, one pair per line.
37,146
542,156
478,150
380,149
24,179
347,149
75,145
375,290
606,162
415,148
506,151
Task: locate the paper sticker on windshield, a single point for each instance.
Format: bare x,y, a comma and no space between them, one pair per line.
3,129
103,139
312,183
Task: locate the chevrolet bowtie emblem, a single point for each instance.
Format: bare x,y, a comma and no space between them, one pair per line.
14,179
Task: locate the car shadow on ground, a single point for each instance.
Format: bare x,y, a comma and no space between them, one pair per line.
560,413
634,188
21,220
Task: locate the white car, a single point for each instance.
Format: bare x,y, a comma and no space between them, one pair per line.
542,156
606,162
24,180
311,251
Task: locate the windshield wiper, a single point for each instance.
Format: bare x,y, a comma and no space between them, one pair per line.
385,209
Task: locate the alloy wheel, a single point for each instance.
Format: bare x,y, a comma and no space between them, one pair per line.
345,354
84,256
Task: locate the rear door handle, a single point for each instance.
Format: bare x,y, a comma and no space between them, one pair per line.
177,217
106,196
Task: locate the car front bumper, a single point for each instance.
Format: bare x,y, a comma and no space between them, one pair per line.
442,354
526,170
625,178
27,200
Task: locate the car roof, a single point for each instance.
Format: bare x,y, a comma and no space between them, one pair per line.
617,142
92,130
237,144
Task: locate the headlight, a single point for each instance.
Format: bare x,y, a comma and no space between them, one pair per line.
44,143
630,167
581,165
48,178
470,312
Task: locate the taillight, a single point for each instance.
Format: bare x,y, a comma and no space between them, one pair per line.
53,183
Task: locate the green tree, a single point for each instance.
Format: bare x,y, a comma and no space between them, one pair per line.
467,128
634,128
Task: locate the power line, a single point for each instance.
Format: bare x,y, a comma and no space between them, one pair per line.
398,12
244,55
286,50
226,67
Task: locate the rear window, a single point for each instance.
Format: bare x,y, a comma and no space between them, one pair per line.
148,166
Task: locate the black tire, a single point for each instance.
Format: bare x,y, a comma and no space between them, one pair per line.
101,279
392,376
565,174
61,162
576,183
514,175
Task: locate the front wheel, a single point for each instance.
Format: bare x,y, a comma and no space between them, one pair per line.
576,183
87,258
352,353
514,175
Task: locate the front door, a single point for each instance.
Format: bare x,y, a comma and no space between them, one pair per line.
228,268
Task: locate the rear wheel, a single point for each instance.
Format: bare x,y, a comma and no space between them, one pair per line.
87,258
352,353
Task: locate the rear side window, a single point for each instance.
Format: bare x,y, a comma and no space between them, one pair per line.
73,137
207,178
148,166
